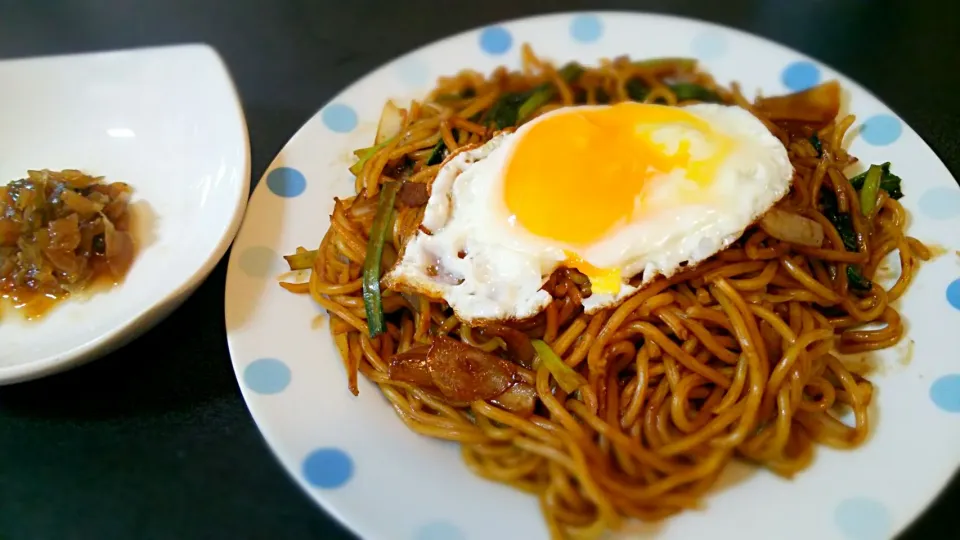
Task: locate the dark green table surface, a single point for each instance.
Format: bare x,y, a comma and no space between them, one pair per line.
145,445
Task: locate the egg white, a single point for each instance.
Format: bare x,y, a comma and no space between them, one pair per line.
504,266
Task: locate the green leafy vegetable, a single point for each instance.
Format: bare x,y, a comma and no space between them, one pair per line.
534,102
868,183
513,107
545,92
440,151
840,220
438,154
889,182
817,145
828,203
844,225
856,281
667,64
637,90
689,91
869,189
372,301
504,112
602,96
566,377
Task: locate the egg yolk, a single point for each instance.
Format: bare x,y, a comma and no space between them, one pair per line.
577,175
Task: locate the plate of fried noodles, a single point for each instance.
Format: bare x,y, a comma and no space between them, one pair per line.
786,374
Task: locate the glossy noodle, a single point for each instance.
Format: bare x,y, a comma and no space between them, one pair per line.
643,404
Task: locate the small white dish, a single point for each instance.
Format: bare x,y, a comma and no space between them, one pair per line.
165,120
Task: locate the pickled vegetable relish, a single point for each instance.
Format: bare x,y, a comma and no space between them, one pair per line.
61,232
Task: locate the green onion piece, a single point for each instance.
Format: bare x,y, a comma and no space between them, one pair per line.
371,264
670,64
364,154
533,103
301,260
566,377
871,187
545,92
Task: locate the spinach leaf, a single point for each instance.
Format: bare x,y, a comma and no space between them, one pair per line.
545,92
688,91
817,145
844,226
602,96
889,182
840,220
856,281
439,153
504,112
513,107
637,90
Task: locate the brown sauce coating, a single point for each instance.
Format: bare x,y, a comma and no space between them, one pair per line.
61,233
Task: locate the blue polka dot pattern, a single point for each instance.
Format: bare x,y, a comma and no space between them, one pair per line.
800,75
953,294
586,28
495,40
339,117
945,393
328,468
881,130
438,530
266,376
863,519
258,261
286,182
709,45
940,203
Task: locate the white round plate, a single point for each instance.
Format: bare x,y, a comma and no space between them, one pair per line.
165,120
357,459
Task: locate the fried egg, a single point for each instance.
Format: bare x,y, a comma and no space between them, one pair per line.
622,193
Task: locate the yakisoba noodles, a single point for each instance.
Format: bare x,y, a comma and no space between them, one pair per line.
737,357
